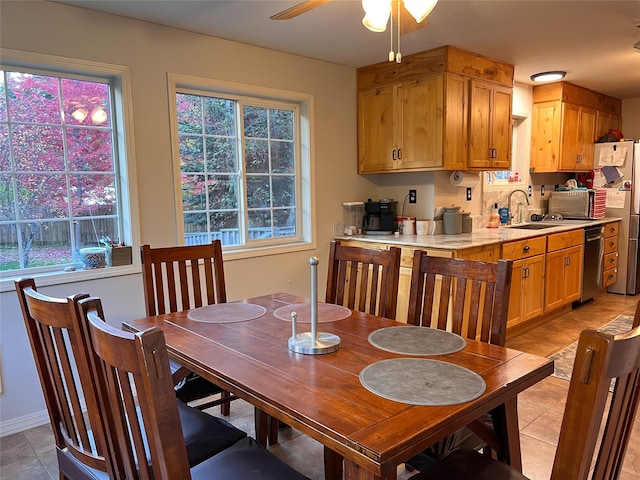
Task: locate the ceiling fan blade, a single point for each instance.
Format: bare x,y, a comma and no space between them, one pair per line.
408,24
298,9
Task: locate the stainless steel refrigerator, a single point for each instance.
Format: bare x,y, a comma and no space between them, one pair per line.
619,164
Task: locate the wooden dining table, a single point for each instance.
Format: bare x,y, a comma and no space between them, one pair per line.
322,395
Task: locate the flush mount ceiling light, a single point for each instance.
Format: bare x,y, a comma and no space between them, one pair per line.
548,76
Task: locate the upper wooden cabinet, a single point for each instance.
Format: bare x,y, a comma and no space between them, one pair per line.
566,122
489,126
415,115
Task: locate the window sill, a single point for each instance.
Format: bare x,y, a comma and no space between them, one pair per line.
243,253
59,278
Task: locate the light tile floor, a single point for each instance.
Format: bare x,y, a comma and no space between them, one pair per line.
30,455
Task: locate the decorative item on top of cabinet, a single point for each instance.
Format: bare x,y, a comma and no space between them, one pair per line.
563,283
489,126
414,116
610,259
527,278
566,121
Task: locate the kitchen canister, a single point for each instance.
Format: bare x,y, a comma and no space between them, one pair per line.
422,227
467,222
408,226
452,221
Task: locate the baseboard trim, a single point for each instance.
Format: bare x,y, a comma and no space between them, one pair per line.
21,424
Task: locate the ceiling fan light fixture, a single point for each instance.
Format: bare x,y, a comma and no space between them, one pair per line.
377,14
548,76
420,9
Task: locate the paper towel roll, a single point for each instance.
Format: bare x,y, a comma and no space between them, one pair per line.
464,179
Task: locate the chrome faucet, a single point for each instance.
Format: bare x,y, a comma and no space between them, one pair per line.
526,197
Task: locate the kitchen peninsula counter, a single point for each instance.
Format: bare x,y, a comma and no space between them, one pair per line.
480,237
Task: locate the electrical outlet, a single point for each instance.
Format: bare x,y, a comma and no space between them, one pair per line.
530,190
468,194
413,196
542,190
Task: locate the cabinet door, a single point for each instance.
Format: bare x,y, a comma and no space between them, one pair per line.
480,98
514,316
569,148
533,287
376,129
422,123
545,136
573,274
604,122
554,283
586,133
501,128
455,142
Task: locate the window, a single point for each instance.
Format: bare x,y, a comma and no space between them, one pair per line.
60,167
241,168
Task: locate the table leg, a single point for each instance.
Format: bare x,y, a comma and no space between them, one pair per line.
506,426
332,465
261,422
353,471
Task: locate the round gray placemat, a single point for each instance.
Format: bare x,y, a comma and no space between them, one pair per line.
422,381
226,312
327,312
415,340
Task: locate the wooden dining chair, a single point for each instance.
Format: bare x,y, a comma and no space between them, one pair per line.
145,442
364,279
61,359
59,341
600,358
469,298
183,278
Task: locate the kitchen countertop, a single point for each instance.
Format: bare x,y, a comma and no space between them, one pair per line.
479,237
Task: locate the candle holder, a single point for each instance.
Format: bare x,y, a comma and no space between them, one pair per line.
313,342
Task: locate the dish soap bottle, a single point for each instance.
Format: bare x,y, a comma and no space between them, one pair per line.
494,219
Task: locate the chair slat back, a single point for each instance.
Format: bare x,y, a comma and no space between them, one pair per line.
182,278
364,279
600,357
147,444
58,343
467,297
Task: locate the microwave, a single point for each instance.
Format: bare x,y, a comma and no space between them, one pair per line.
579,204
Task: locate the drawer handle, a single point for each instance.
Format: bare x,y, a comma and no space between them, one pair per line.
610,275
611,244
611,260
526,248
612,229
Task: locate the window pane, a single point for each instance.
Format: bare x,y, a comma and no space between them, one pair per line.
85,103
89,149
255,122
258,191
282,157
284,192
281,124
37,148
189,109
7,212
194,195
285,221
5,159
219,117
93,195
34,98
9,254
89,232
3,101
191,153
225,224
222,192
256,154
42,196
221,155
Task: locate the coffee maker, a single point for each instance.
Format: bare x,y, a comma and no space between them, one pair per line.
380,217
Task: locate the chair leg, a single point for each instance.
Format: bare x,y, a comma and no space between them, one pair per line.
332,465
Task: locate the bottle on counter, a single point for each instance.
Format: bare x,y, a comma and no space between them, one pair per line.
494,219
504,215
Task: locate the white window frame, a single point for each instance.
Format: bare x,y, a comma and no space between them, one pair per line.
123,125
305,189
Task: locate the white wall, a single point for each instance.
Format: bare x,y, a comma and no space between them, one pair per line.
151,52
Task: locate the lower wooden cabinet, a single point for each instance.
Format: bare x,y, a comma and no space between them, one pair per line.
563,283
610,260
526,298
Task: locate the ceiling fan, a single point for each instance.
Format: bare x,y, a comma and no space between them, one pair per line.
408,21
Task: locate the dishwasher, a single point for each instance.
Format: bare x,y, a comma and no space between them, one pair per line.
592,263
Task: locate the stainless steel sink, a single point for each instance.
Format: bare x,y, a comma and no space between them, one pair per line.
532,226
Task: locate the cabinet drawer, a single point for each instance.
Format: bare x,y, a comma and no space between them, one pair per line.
610,245
562,240
524,248
611,229
610,260
609,277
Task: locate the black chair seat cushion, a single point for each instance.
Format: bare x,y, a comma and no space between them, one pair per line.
246,460
194,387
204,434
74,469
469,465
